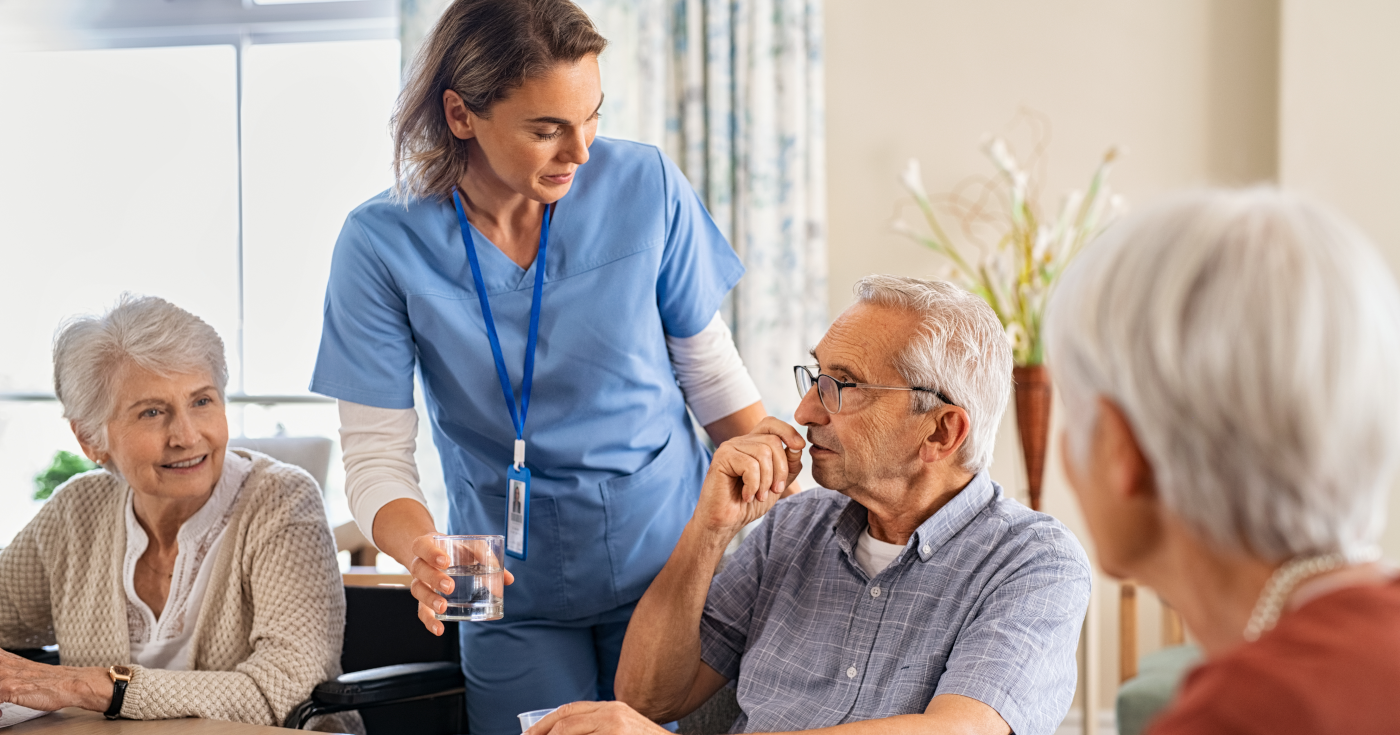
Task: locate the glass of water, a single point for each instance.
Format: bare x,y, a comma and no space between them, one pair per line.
475,564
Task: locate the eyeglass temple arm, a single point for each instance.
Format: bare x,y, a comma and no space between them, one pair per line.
850,384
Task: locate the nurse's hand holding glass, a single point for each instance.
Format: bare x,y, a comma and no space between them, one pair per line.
557,294
435,586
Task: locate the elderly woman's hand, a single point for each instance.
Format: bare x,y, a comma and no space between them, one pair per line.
45,687
429,561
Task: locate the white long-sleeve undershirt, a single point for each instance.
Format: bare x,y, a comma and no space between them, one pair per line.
378,443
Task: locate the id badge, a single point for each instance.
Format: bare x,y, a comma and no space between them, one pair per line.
517,511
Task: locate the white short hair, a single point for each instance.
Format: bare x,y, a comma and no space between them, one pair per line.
1252,340
960,350
146,331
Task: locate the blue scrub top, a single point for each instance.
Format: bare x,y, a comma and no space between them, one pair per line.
616,465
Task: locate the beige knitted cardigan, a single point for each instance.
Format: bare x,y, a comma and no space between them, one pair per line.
269,629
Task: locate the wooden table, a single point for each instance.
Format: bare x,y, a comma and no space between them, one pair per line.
76,721
81,721
368,577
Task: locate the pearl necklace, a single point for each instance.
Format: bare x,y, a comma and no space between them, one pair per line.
1286,578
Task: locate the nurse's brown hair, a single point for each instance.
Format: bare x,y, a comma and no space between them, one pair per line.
482,50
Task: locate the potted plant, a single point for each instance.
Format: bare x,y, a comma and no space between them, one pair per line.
64,466
1007,252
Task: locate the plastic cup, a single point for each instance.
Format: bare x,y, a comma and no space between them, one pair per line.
527,719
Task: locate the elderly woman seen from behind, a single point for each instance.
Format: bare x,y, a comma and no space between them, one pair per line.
183,579
1230,365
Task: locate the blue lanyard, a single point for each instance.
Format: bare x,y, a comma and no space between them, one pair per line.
516,418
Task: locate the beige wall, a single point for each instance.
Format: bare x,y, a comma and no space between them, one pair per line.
1339,122
1187,87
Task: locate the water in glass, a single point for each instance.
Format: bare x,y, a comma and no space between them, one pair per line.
476,594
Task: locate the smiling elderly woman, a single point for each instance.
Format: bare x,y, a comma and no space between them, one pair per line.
1228,362
205,575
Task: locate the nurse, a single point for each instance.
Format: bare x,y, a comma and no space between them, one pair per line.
558,296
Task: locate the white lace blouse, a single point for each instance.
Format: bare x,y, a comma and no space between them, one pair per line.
163,642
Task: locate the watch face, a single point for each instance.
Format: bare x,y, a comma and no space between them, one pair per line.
121,672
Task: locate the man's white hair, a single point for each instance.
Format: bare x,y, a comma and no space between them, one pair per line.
152,333
1252,340
960,350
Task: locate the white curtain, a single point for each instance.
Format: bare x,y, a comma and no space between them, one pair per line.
732,90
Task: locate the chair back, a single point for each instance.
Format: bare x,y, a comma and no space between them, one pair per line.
311,453
382,629
1148,684
715,716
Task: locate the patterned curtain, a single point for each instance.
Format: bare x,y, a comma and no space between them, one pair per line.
732,90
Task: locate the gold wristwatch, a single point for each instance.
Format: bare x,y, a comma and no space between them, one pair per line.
121,676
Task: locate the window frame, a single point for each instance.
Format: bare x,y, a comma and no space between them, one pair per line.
237,23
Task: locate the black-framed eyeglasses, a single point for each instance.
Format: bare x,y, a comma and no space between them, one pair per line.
829,388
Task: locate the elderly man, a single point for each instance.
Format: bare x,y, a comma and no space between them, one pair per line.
914,598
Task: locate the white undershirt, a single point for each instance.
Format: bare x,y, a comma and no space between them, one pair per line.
873,555
164,642
378,443
711,374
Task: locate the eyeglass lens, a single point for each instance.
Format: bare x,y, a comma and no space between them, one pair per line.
828,392
804,380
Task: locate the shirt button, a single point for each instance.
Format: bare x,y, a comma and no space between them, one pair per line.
851,673
875,591
926,548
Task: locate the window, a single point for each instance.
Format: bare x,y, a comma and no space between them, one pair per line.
315,145
120,172
212,166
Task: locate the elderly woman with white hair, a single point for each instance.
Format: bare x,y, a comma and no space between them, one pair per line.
1229,364
183,578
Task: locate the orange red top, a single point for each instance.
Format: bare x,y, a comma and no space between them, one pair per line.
1332,666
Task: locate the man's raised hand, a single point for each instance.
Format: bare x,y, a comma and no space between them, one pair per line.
748,475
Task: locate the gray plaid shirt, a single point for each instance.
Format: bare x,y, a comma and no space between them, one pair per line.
985,601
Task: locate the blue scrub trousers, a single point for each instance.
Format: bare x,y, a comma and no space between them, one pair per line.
515,666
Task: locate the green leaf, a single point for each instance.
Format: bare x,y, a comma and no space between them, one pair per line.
64,466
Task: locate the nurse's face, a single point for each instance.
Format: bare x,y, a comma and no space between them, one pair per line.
534,139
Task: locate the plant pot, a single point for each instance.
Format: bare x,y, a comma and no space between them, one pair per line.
1032,386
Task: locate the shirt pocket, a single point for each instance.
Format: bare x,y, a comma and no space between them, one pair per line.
539,590
911,688
647,510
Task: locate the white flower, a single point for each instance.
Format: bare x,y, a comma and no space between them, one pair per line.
997,151
1016,334
1117,205
1065,228
1019,183
1070,208
1044,235
914,179
1095,219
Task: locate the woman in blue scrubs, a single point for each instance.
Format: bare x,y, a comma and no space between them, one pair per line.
506,204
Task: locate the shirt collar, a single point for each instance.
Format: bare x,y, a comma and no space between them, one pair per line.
954,517
211,515
849,525
936,530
